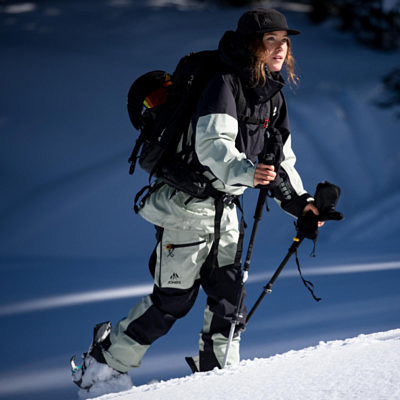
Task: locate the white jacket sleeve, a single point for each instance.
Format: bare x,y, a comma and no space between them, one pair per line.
215,148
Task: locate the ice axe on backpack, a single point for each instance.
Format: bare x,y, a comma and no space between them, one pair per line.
326,198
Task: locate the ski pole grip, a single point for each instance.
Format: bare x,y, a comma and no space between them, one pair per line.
269,159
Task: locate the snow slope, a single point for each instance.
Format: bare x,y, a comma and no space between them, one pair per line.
72,252
366,368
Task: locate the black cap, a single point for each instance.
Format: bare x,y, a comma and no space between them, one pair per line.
261,20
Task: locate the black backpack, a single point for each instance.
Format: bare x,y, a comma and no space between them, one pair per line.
160,107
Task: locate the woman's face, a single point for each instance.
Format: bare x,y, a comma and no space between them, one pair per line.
276,43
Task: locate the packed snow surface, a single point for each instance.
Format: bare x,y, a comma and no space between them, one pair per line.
366,367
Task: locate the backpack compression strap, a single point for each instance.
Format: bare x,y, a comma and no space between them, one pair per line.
134,156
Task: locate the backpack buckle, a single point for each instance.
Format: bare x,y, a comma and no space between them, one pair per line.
266,123
228,199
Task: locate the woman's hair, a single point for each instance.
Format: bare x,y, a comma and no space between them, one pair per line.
255,46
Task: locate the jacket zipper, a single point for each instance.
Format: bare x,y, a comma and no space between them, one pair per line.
171,247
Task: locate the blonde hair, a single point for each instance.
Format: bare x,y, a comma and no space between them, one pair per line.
255,46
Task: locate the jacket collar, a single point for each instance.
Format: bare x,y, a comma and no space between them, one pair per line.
233,53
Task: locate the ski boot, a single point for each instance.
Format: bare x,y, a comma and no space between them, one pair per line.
95,376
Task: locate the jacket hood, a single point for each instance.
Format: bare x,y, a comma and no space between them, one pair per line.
233,53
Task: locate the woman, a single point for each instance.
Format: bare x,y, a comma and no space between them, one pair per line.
226,151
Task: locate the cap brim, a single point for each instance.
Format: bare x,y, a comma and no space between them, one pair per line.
290,32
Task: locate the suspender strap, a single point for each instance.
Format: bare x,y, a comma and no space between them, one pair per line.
239,251
219,210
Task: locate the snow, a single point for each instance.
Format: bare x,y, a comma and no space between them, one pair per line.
101,378
73,253
366,367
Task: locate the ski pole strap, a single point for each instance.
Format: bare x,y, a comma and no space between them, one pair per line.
307,284
312,254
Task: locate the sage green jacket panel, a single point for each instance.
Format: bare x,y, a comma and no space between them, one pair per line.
216,149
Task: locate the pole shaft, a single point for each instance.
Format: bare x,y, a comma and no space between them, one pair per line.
254,308
268,287
257,218
236,315
231,332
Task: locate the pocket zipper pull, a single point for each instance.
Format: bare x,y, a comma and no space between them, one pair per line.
170,249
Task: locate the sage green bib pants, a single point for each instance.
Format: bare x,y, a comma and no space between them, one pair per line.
182,261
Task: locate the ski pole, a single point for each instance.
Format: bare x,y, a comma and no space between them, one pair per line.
268,287
272,145
237,315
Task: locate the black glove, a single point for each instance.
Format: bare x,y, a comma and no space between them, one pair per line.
307,226
326,198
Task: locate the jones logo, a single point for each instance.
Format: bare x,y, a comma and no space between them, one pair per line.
174,279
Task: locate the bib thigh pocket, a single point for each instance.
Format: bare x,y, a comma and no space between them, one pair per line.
181,257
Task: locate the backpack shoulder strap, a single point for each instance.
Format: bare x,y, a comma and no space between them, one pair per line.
134,156
241,103
240,99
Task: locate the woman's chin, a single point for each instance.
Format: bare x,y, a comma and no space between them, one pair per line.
275,68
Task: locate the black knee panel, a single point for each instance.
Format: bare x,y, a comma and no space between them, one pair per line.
208,361
175,302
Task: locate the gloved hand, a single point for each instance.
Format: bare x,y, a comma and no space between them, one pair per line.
307,226
272,154
326,198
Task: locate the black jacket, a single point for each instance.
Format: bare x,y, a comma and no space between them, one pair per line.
229,148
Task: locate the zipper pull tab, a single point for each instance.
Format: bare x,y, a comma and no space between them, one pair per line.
266,123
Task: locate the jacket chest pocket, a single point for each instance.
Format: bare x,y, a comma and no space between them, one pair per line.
250,139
